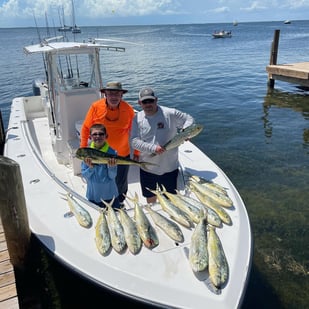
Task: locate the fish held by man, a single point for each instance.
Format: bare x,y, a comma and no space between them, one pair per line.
182,136
99,157
80,213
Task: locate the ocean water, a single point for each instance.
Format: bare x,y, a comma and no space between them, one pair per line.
259,137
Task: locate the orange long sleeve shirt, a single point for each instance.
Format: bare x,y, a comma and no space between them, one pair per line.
118,124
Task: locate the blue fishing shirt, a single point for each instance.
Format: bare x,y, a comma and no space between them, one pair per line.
101,183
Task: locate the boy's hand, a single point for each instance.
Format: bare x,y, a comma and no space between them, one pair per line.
112,162
88,161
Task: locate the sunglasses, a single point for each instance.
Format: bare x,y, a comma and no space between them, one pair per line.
98,134
148,101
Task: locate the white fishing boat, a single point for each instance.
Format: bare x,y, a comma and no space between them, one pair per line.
42,137
222,34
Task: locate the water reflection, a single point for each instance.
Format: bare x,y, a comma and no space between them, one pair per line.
298,102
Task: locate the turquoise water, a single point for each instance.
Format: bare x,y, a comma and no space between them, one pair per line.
260,138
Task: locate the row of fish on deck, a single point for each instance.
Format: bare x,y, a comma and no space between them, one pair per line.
205,212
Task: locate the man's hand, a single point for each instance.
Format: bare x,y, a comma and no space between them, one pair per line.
159,149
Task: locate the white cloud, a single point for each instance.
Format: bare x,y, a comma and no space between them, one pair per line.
104,12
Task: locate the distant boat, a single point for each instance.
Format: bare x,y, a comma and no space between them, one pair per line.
222,34
235,23
64,27
287,22
74,29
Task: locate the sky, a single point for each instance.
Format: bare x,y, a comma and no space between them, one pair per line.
29,13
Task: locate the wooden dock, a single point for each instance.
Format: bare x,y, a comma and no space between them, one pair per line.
8,291
295,73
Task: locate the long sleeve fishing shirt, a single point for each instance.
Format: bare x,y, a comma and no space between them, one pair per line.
150,131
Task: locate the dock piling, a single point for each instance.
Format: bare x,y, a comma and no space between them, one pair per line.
13,212
273,56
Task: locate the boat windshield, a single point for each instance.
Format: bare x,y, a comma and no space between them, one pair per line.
76,71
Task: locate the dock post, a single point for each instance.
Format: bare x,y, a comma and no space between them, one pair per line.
273,56
13,212
2,135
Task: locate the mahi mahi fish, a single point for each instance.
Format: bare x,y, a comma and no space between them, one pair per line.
131,235
192,211
198,254
212,217
175,213
221,212
115,228
218,266
182,136
102,235
80,213
145,229
169,227
219,198
209,184
99,157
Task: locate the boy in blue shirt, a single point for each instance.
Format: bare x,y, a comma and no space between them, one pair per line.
101,183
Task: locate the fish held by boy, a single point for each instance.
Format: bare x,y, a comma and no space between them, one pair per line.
99,157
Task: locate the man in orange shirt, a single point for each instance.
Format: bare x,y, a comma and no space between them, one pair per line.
116,115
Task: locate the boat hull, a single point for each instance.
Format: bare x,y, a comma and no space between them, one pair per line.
161,276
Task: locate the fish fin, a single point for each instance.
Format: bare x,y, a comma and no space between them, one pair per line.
108,204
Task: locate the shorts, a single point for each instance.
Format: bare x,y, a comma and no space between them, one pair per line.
149,180
116,203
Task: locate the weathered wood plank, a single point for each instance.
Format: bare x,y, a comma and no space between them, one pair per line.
8,291
11,303
4,255
5,266
7,279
